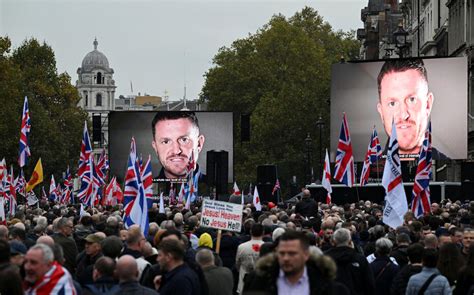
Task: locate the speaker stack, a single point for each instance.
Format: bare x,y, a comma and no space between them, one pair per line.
217,170
266,179
96,128
467,180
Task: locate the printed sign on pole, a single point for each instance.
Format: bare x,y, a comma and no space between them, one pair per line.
221,215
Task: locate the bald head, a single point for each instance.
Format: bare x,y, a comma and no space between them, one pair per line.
46,240
127,269
306,193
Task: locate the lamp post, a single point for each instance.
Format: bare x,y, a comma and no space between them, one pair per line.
400,36
320,125
308,143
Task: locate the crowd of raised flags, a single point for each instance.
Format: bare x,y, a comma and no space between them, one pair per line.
137,196
395,199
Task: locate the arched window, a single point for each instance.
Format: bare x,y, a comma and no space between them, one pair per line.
86,98
99,78
98,100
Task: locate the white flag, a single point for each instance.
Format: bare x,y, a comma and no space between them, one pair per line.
32,199
326,180
395,199
256,200
188,203
3,220
82,211
162,205
236,190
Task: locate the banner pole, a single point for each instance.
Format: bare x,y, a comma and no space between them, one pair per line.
218,241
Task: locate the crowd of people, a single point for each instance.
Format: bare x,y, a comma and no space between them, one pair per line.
307,248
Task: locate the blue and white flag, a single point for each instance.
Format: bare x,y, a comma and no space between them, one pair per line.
395,198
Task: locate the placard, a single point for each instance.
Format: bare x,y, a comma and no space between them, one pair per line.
221,215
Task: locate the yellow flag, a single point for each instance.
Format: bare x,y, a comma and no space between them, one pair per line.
36,178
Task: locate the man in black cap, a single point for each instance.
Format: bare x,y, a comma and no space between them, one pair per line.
17,253
87,258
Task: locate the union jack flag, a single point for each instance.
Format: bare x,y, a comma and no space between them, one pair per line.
136,210
172,194
86,151
131,185
102,167
56,281
10,192
20,181
54,194
68,187
147,180
344,168
374,151
24,133
276,187
420,203
44,197
66,195
89,183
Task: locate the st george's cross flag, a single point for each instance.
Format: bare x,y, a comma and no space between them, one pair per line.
395,199
344,168
326,180
256,200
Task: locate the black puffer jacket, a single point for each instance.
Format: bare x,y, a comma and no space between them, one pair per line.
321,274
400,282
353,270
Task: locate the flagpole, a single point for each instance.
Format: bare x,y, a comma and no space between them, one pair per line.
377,163
357,192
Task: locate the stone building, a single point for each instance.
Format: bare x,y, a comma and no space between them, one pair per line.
96,87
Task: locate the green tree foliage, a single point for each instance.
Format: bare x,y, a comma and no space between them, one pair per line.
281,76
56,121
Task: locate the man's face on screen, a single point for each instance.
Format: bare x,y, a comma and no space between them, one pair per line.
404,98
173,143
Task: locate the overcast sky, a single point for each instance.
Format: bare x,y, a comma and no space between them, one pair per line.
158,45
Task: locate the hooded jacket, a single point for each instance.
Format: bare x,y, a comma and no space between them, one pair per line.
321,274
352,270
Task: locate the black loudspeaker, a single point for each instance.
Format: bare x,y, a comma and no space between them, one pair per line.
467,171
265,193
245,127
96,128
217,170
266,179
467,190
267,174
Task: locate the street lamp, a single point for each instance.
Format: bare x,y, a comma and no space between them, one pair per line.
308,143
320,125
400,36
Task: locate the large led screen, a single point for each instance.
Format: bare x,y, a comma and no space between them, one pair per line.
180,137
408,92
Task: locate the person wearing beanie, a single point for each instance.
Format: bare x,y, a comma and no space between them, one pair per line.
205,240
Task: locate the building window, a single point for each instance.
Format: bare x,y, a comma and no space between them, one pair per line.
98,100
86,98
99,78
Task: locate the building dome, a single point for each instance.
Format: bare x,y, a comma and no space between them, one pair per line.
95,59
